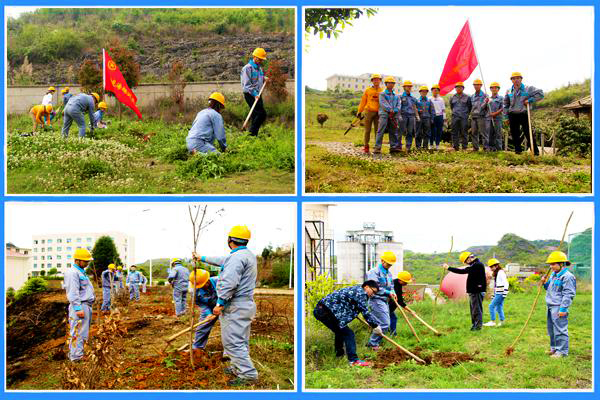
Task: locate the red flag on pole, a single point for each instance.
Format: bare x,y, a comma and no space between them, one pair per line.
115,83
461,61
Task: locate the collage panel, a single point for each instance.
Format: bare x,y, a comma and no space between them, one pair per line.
150,100
448,296
112,296
464,104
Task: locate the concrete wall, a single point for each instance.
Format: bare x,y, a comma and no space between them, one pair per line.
16,271
20,99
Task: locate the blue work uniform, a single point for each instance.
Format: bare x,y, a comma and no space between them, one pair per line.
253,78
80,294
208,126
460,105
66,98
206,299
134,278
235,291
426,112
494,125
179,278
379,301
408,123
98,115
560,292
75,111
107,280
144,282
517,114
389,117
478,120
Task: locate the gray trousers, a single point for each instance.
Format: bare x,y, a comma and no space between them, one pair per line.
408,128
558,330
459,132
79,330
479,133
235,335
180,298
495,134
423,133
134,291
384,120
381,312
105,299
476,303
203,331
71,115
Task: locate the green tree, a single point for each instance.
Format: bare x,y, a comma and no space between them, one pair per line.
43,272
104,253
325,21
125,60
52,271
90,77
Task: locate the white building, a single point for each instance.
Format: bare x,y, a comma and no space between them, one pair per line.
361,82
17,266
56,250
361,251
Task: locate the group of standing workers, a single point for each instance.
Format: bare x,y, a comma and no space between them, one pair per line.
379,296
228,297
422,118
73,108
208,126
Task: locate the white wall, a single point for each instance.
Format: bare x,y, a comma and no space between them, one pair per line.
15,271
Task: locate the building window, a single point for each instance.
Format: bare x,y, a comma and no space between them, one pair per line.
78,240
58,257
69,257
69,248
43,258
34,265
89,239
42,266
59,249
49,249
59,265
49,241
58,240
69,240
89,248
49,265
49,257
35,257
43,249
68,265
43,241
35,250
35,242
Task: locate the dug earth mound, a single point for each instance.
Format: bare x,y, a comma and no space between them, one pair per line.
446,359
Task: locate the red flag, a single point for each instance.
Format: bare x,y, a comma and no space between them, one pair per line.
114,82
461,61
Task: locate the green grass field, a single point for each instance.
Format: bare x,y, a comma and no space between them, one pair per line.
119,160
334,163
527,368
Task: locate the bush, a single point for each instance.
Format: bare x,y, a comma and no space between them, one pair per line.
33,285
52,271
161,282
514,285
574,135
10,294
316,290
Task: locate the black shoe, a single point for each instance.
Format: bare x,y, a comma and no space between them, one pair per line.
237,381
476,328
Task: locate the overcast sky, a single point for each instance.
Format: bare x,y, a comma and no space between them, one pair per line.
550,46
427,227
164,230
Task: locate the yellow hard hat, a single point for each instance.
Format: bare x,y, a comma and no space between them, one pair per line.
407,83
240,232
464,255
82,254
493,261
375,76
405,276
436,86
111,266
389,79
65,90
52,89
119,268
260,53
48,108
175,260
218,97
477,82
201,279
102,105
495,84
516,75
389,257
557,257
423,88
459,84
96,96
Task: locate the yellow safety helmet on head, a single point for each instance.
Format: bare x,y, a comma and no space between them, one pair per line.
375,76
464,255
423,88
96,96
65,90
492,262
405,276
557,257
216,96
461,84
260,53
389,79
495,84
175,260
48,108
516,75
406,83
119,268
477,82
102,105
240,232
52,89
111,266
436,86
200,280
82,254
389,257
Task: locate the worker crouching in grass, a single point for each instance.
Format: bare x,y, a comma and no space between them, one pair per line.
207,127
39,115
80,294
500,292
235,304
560,288
178,278
75,111
476,286
404,278
389,115
206,298
379,301
99,115
338,309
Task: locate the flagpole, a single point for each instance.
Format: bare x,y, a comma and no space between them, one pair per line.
104,71
480,70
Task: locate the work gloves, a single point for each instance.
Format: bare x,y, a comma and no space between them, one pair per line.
377,330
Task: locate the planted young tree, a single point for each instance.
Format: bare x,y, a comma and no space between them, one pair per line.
277,80
178,84
90,77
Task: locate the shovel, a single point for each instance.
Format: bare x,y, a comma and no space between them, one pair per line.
354,123
405,351
253,105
